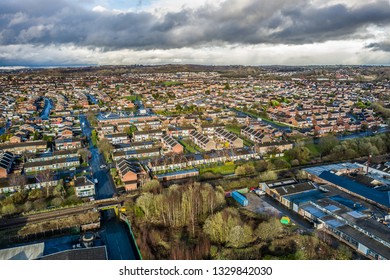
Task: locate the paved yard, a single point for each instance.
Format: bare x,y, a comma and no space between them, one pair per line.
258,205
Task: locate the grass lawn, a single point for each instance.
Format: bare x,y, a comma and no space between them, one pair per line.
221,169
190,146
132,97
172,83
236,129
275,122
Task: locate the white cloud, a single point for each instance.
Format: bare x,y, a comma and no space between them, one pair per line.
332,52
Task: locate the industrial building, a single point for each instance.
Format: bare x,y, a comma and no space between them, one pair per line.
350,211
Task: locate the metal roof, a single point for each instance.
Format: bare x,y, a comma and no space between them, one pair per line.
379,197
317,170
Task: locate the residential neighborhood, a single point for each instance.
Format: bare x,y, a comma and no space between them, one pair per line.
73,140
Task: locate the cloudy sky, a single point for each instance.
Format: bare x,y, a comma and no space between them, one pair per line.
249,32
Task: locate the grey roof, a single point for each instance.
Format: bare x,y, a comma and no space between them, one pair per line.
168,140
365,240
26,252
148,132
136,152
317,170
314,211
83,182
226,134
126,166
94,253
67,140
22,144
179,172
6,160
200,137
50,162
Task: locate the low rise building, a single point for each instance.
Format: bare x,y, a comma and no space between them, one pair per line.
131,173
6,160
230,139
171,144
19,148
84,187
202,141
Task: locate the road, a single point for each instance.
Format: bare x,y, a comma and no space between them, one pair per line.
46,110
296,218
114,232
3,129
105,188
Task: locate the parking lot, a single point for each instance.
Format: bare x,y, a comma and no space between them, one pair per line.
266,205
258,205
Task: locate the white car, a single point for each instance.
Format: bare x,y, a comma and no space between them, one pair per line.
95,181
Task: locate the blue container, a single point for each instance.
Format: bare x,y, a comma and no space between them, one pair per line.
240,198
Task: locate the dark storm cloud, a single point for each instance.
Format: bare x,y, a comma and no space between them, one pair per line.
380,46
43,22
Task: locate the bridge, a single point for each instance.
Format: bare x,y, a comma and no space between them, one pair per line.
97,205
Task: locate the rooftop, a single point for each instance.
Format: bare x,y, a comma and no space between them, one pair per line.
317,170
379,197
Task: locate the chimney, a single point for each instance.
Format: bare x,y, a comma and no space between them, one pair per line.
368,163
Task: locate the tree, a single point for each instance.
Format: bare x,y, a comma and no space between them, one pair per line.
222,225
240,236
56,202
36,135
9,209
152,185
84,154
130,130
28,206
281,164
105,147
40,204
327,143
92,119
269,230
34,194
240,170
300,153
16,179
94,137
59,190
44,178
268,176
343,253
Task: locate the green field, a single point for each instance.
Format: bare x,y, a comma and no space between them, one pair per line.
221,169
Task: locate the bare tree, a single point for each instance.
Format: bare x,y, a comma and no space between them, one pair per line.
84,153
105,147
46,177
17,180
